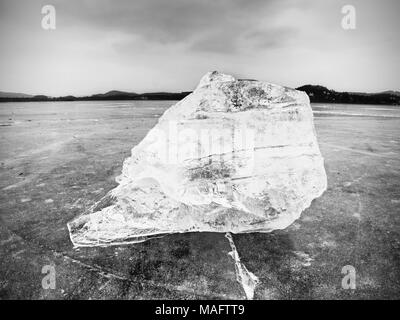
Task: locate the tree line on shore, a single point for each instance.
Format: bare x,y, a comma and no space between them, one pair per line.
317,94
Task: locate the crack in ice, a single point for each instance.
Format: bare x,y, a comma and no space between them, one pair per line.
247,280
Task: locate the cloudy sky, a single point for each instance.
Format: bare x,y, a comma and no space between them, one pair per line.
167,45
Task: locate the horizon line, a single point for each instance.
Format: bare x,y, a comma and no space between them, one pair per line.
182,91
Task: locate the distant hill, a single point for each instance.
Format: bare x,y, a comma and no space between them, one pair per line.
322,94
110,95
13,95
121,95
115,94
315,92
396,93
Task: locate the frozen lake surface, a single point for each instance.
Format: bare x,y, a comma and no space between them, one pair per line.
58,158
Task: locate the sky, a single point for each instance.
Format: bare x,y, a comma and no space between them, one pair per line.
168,45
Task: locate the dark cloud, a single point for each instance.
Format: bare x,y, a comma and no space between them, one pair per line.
204,25
222,22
